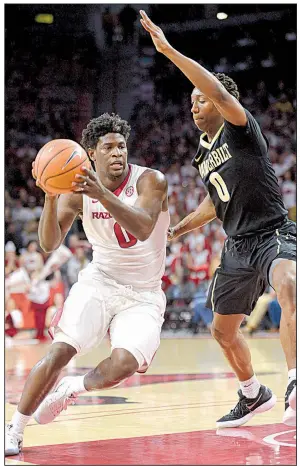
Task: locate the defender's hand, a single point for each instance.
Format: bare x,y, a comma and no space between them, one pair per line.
39,184
157,35
88,184
172,234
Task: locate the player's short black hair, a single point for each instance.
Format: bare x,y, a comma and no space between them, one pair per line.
98,127
228,83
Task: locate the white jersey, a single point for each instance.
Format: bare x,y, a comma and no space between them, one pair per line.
118,254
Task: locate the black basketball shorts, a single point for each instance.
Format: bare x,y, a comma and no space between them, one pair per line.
243,274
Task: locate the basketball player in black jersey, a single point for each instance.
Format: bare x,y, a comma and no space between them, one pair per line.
260,250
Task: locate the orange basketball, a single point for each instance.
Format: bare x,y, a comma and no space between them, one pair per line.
57,163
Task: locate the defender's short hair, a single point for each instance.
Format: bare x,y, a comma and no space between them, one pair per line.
228,83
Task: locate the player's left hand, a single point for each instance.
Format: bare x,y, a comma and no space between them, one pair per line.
157,35
89,184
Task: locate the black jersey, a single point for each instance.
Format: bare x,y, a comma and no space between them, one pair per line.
240,179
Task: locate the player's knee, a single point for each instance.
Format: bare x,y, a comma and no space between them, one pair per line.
286,290
58,356
224,339
124,364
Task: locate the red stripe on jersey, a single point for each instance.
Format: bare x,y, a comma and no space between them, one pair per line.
118,191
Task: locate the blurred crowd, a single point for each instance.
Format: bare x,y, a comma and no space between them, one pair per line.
164,137
119,27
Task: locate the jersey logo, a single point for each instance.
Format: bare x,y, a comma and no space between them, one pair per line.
129,191
94,201
74,153
103,215
198,158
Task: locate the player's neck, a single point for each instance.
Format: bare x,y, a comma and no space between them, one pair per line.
113,184
213,128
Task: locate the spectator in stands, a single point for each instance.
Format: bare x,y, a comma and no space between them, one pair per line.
10,307
274,311
267,303
197,262
77,263
31,259
200,312
108,26
289,190
174,272
55,309
12,235
11,259
127,17
39,295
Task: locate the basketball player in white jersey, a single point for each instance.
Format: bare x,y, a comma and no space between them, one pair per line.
125,217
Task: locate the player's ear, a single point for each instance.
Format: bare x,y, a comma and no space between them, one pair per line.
91,153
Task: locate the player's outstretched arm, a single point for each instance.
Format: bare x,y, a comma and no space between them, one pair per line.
227,105
140,219
204,214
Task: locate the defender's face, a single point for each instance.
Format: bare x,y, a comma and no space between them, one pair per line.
203,110
110,155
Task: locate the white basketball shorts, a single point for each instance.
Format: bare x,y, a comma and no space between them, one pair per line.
97,305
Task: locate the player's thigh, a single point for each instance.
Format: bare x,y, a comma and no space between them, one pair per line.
235,291
137,329
84,320
283,279
280,247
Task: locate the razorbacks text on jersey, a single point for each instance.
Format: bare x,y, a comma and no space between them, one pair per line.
240,179
117,252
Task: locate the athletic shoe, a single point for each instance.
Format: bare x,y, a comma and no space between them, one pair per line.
56,402
13,441
246,408
289,417
293,398
290,395
289,391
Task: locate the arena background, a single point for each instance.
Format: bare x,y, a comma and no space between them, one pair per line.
65,64
52,91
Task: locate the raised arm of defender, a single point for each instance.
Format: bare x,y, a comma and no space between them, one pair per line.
204,214
227,105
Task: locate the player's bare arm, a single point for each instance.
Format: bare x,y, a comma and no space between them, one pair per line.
57,218
140,219
58,215
202,79
204,214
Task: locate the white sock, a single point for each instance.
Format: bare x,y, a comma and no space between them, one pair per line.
78,385
19,422
292,375
250,388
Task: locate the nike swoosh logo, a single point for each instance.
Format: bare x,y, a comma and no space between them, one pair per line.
255,403
74,153
198,158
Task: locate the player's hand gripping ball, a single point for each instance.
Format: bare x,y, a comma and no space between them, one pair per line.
88,183
57,164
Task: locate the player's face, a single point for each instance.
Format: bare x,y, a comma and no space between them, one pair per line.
203,110
111,154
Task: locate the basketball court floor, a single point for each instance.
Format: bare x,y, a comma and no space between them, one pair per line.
166,416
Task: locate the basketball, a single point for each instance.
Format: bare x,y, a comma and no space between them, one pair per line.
57,163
